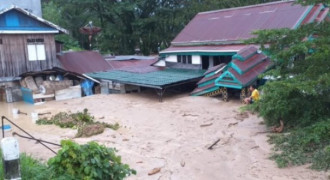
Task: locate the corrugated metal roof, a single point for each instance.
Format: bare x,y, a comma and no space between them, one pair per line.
252,74
252,61
83,62
130,63
237,24
157,79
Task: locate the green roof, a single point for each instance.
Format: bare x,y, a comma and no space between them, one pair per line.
156,79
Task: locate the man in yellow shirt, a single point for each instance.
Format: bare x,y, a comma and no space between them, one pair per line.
254,95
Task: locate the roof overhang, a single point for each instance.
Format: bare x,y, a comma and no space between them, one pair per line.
204,50
29,32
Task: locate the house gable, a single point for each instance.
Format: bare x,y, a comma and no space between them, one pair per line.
15,20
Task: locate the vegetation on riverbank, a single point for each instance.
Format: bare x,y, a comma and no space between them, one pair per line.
83,121
299,95
74,161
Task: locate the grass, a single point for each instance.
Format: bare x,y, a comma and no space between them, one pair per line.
309,145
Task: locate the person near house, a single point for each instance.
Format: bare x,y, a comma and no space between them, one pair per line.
254,95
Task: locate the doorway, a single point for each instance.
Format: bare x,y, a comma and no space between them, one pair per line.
205,62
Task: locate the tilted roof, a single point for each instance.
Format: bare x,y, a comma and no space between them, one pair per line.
230,26
156,79
15,20
83,62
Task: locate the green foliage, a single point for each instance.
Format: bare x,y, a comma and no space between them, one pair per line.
89,161
83,121
304,145
300,93
32,169
130,24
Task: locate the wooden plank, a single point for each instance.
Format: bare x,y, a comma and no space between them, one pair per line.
69,93
14,55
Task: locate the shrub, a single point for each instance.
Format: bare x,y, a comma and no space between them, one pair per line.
89,161
83,121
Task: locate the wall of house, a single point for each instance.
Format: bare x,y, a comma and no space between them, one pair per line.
14,54
171,58
34,6
196,59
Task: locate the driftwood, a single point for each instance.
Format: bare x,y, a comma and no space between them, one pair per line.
154,171
205,125
278,129
40,114
20,112
215,143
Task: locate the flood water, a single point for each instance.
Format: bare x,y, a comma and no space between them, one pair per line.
24,120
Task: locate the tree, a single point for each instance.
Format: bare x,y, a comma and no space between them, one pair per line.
300,95
149,25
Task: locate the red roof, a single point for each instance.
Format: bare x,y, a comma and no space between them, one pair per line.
83,62
238,23
129,63
254,60
252,73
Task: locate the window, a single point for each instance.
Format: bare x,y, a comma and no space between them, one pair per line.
185,59
36,49
0,41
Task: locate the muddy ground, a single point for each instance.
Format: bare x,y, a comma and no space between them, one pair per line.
173,135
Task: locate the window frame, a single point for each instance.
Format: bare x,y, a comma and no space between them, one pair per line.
36,50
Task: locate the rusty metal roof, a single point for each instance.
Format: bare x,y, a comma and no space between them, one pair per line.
129,63
233,25
83,62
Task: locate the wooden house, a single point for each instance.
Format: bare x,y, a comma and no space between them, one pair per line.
26,43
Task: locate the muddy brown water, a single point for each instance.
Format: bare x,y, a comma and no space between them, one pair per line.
27,122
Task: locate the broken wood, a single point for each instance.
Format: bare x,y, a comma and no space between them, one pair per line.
20,112
232,124
154,171
193,115
215,143
278,129
40,114
205,125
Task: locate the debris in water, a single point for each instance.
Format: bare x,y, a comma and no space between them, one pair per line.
154,171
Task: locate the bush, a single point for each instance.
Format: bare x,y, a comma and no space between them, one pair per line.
284,100
83,121
89,161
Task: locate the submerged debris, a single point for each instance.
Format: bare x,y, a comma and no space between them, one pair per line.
83,121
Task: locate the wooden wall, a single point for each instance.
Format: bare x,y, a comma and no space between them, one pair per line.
14,54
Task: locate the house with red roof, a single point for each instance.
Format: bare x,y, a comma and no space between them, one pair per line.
214,41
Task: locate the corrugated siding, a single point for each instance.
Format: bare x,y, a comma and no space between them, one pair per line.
14,55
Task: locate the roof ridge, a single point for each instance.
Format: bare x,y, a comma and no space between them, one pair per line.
245,7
